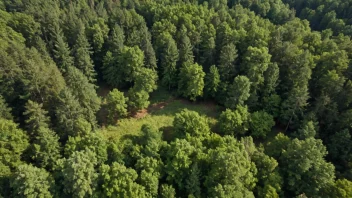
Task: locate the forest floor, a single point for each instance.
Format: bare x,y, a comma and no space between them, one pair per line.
160,113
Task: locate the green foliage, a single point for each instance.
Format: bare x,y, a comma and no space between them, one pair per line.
116,104
228,56
81,51
92,141
185,49
168,60
340,146
179,158
5,111
261,123
46,148
145,80
254,53
255,63
238,92
137,99
191,81
62,51
123,67
68,112
30,181
36,116
212,81
78,174
84,92
231,171
190,123
119,181
167,191
13,142
342,188
305,168
306,131
234,122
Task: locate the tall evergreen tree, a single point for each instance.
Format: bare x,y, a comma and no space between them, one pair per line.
168,62
61,51
36,116
239,92
227,60
82,53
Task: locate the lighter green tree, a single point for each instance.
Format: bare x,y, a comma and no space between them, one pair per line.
116,103
30,181
78,174
119,181
191,83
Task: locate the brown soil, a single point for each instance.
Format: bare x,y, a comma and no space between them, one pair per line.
152,108
141,114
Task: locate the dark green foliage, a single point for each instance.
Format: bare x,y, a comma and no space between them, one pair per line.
36,116
212,81
68,113
271,73
84,92
340,146
237,176
239,92
5,111
62,52
168,61
81,51
228,56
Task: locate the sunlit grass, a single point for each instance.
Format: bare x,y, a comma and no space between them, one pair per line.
161,113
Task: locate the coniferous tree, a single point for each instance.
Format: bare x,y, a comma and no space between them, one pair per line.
46,148
5,111
36,116
227,60
239,92
82,53
62,52
212,81
168,61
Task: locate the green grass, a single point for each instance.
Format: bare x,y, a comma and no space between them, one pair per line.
161,113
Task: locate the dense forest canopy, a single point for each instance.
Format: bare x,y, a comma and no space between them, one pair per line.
278,71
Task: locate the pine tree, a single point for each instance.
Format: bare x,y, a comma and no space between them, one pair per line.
36,116
82,53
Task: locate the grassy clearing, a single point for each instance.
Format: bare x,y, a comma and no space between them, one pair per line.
161,113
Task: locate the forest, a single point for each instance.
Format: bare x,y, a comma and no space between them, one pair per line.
176,98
